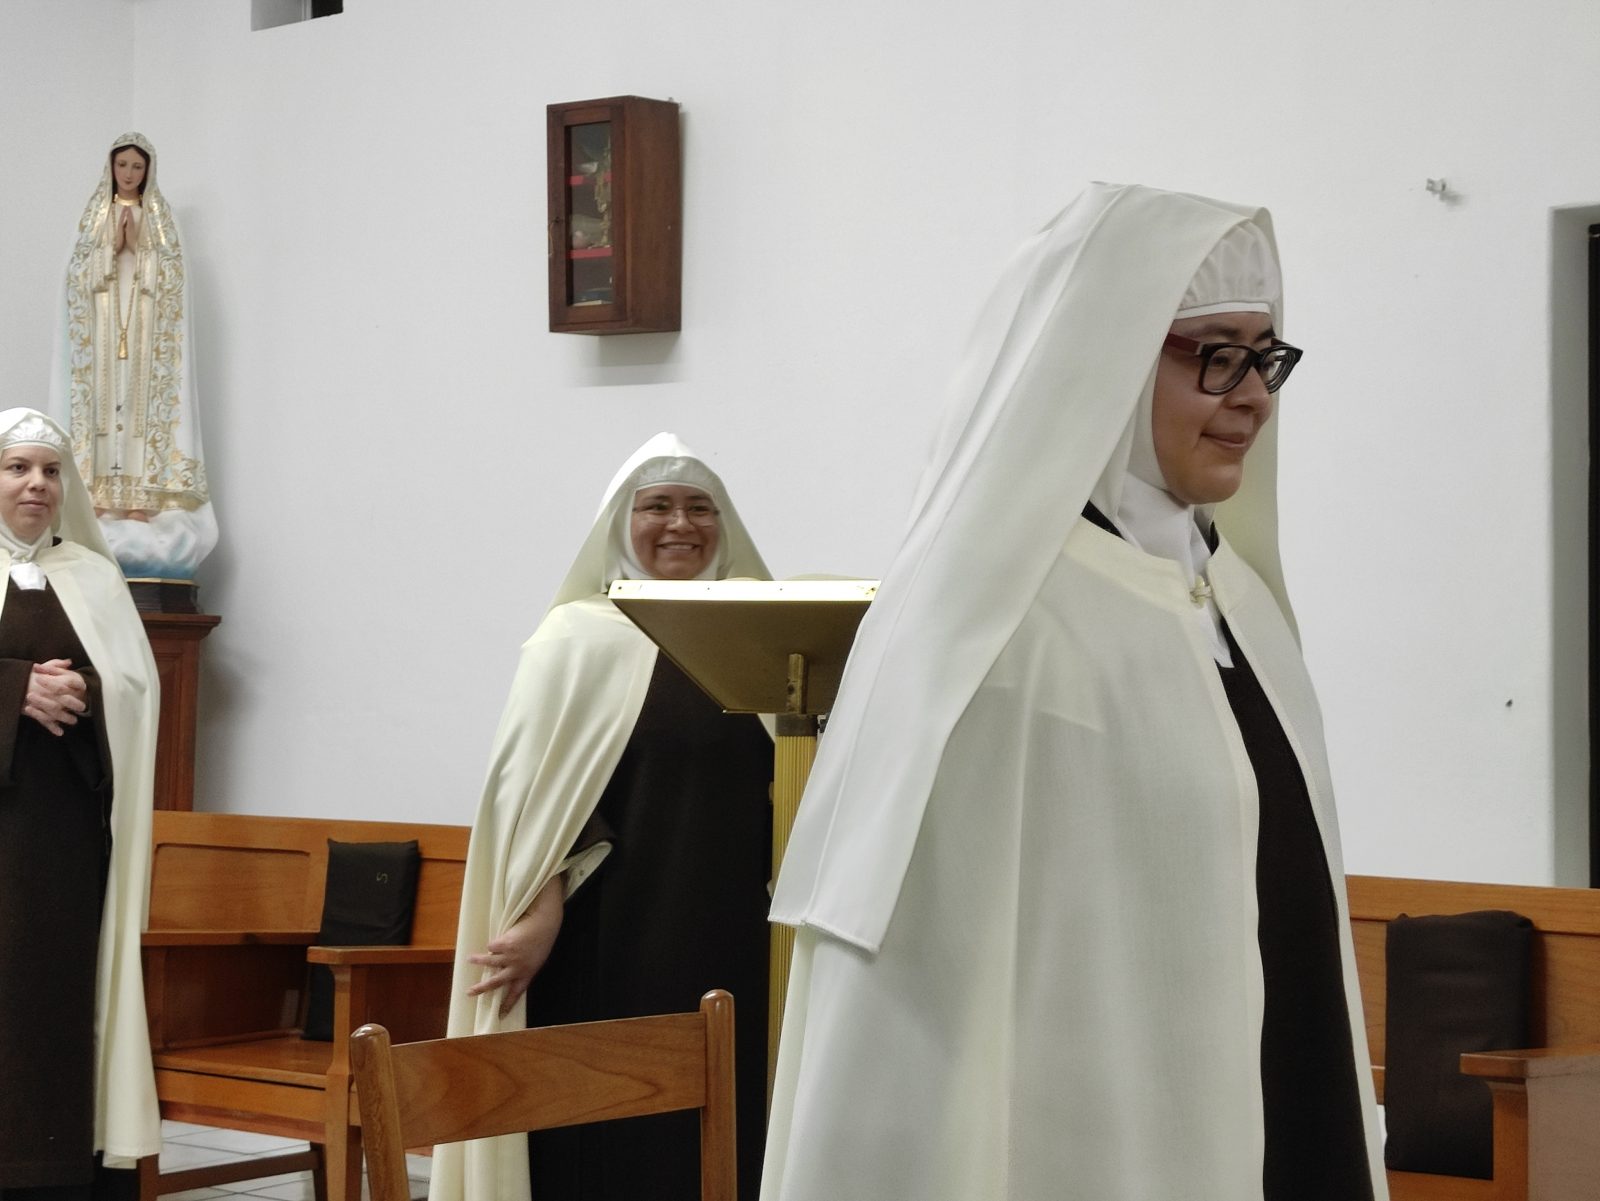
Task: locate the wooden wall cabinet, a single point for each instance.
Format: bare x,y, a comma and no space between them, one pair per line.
616,216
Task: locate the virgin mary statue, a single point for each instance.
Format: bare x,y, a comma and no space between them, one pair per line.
123,376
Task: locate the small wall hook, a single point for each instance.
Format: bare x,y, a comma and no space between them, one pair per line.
1438,187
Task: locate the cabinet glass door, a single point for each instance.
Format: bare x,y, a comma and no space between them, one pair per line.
590,277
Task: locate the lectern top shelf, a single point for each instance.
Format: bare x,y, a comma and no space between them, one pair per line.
734,637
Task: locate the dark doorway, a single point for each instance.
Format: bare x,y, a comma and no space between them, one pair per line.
1594,551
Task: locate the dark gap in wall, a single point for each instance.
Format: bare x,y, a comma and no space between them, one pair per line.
1594,550
269,14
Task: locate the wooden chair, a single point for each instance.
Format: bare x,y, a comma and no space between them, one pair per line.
450,1089
1547,1098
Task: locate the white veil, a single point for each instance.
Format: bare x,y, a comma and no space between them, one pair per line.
662,459
1042,409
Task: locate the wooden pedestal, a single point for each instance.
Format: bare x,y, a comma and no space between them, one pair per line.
175,642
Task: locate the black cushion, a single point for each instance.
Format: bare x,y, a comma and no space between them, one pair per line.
1457,983
370,897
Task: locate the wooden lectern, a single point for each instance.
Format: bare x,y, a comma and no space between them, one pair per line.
760,646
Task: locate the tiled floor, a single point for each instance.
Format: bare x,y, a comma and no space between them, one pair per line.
186,1146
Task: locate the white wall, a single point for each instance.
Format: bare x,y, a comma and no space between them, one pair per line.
404,460
66,80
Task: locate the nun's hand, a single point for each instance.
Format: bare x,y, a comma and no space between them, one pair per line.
514,958
56,695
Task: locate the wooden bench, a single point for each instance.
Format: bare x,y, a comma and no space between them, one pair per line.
1546,1099
235,904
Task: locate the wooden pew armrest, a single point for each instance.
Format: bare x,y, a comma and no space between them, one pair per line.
1577,1060
379,956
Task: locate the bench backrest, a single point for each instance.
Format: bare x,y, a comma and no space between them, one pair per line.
1566,951
231,871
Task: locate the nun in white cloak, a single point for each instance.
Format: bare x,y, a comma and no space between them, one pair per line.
1067,877
76,778
611,770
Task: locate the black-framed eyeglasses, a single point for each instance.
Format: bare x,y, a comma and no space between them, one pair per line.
698,512
1223,365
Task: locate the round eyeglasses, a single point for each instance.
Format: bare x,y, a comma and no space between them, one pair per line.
1223,365
659,512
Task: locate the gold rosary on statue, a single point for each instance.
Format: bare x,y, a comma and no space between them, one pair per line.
122,322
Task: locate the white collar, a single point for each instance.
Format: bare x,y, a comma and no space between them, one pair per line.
27,573
1158,523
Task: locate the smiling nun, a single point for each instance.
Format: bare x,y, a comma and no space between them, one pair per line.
620,857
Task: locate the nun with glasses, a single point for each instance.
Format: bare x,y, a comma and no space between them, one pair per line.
1067,878
77,764
620,857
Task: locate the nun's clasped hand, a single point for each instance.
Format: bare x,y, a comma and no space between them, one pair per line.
56,695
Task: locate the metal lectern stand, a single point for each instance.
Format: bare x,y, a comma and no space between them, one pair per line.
760,646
